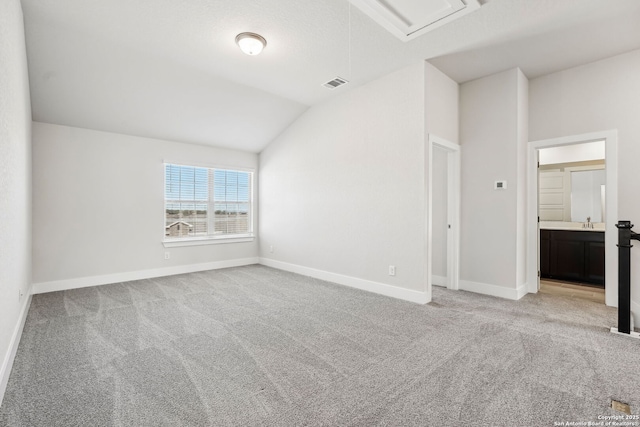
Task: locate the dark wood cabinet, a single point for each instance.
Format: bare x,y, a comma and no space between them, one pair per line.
595,265
545,250
576,256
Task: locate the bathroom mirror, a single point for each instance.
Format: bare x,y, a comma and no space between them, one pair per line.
571,182
572,193
587,188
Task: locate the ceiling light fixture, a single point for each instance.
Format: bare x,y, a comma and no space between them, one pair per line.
251,43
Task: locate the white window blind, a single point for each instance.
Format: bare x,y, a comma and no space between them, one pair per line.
207,203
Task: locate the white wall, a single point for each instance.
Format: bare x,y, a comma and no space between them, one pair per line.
441,104
522,140
15,182
595,97
342,189
98,205
493,137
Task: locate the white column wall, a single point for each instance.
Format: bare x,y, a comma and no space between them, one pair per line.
15,183
493,139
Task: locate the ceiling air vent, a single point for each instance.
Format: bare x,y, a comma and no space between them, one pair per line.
338,81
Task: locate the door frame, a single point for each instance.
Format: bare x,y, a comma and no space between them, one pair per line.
611,205
453,212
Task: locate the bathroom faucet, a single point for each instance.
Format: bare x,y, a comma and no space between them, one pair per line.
588,224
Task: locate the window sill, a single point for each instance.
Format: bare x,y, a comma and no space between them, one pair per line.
197,241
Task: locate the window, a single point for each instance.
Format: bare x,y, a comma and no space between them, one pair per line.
207,204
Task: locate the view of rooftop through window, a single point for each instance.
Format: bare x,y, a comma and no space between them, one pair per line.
206,202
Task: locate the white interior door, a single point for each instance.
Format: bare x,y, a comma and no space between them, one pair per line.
440,229
443,214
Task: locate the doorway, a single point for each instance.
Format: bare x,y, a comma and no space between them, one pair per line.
443,214
537,205
571,209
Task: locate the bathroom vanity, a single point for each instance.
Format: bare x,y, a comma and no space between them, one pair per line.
572,254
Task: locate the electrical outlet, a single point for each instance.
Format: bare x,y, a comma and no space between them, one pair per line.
621,407
167,255
392,270
271,249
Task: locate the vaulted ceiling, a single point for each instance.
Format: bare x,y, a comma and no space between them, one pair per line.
170,69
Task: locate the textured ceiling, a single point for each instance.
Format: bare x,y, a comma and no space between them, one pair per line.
170,69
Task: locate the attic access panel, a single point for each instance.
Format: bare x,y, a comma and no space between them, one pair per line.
408,19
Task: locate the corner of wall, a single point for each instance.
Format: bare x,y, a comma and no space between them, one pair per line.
7,361
15,191
521,199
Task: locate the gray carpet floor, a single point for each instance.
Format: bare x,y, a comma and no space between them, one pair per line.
255,346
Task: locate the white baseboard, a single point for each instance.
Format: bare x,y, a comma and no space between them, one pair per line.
83,282
439,280
521,291
352,282
631,334
493,290
7,361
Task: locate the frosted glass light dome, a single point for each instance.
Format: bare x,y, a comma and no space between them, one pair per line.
251,43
